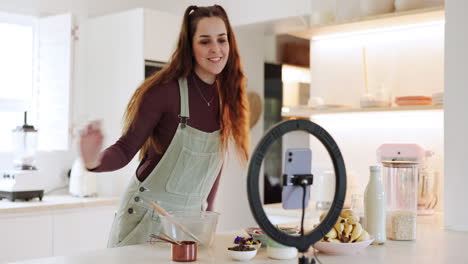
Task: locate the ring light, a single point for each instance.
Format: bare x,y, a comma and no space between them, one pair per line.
302,243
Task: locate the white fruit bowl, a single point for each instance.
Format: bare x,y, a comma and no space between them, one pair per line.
335,248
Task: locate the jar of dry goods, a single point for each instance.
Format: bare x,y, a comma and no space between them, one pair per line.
401,188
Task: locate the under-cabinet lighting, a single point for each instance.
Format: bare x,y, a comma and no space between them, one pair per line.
403,119
378,30
295,74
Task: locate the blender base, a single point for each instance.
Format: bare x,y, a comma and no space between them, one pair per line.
22,195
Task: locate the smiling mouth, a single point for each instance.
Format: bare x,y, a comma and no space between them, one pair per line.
215,59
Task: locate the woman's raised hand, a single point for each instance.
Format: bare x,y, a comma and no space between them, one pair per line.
91,141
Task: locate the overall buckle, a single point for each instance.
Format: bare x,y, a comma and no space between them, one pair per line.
183,120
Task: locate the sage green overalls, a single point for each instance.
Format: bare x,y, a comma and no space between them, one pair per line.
181,181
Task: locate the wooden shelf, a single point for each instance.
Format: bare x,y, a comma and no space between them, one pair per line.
368,23
305,112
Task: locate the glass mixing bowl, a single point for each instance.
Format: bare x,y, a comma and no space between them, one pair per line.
202,224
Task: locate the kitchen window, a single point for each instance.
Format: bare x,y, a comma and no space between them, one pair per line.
16,81
35,76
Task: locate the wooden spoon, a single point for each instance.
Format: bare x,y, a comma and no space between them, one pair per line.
165,239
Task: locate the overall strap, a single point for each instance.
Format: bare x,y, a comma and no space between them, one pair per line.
184,115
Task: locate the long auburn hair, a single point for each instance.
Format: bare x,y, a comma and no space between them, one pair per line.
234,112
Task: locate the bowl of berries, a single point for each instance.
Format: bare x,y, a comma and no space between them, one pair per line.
242,252
248,241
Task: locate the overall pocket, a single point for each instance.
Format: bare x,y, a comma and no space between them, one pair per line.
129,219
192,172
135,230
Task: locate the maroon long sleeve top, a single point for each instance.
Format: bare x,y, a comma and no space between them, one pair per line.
158,115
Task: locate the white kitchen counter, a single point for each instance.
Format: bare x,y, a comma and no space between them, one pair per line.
433,245
52,202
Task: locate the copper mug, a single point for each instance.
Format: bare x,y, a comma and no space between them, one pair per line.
185,252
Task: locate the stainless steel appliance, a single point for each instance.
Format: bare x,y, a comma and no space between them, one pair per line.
152,67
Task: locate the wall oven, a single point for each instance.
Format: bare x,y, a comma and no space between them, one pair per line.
153,67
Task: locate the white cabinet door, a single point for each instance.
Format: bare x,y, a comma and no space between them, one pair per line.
114,70
79,230
161,34
54,81
25,236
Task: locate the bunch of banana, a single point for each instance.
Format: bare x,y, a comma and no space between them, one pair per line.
347,229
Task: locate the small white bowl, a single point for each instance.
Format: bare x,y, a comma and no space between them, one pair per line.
334,248
242,255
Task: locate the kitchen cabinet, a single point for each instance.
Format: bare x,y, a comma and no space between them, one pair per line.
49,233
56,45
25,236
161,31
77,231
117,47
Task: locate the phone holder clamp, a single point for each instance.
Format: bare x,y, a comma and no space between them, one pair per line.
298,179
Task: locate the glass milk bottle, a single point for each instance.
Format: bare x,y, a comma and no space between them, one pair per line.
401,187
375,206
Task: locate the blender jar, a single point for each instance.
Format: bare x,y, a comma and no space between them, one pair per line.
24,147
401,185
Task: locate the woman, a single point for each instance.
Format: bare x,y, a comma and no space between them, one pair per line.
181,119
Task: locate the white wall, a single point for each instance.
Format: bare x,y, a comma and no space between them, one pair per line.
231,200
406,62
456,122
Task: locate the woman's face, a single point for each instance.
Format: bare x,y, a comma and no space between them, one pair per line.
210,48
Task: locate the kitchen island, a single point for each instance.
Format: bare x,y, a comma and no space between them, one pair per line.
433,245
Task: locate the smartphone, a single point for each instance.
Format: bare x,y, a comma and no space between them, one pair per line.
296,161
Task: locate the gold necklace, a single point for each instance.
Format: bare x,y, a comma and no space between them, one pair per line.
199,90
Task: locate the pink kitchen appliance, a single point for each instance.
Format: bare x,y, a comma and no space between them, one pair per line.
403,152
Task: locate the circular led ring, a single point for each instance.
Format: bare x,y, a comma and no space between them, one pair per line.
302,243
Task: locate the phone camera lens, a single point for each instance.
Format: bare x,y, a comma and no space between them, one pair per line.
290,153
289,160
